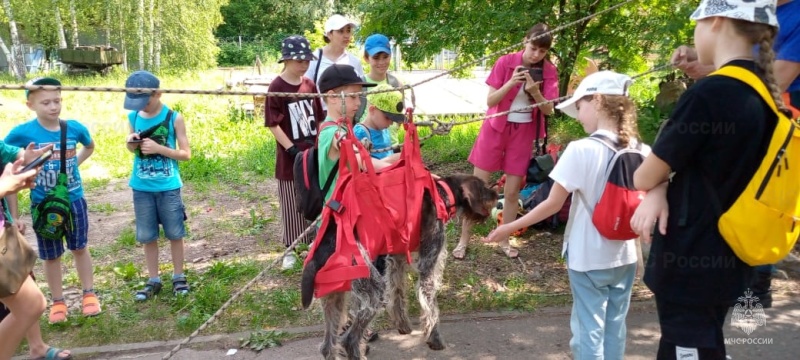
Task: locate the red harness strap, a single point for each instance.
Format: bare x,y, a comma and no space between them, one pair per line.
383,209
360,212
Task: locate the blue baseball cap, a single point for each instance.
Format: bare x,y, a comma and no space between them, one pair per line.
140,79
377,43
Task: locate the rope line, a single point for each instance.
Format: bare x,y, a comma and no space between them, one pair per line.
514,46
441,128
307,95
239,293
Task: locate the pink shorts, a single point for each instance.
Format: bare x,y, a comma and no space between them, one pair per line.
509,150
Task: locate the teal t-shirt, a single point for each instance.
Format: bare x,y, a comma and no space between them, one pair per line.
325,140
8,154
155,173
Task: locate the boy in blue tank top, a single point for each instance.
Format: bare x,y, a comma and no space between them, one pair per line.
45,131
158,140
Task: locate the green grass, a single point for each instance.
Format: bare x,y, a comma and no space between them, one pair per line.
163,317
230,152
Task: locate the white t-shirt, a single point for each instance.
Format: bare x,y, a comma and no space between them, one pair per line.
582,168
520,101
345,59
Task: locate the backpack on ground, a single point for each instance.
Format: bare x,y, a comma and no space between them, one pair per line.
309,195
538,196
612,213
52,217
761,226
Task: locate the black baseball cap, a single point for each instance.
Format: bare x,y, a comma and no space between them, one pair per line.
339,75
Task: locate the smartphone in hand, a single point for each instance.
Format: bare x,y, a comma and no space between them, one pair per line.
38,161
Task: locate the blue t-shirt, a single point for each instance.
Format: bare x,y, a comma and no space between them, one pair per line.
155,173
33,132
787,43
381,139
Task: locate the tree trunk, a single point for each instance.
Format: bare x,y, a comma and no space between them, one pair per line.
16,47
140,34
151,34
75,42
157,39
62,39
7,53
121,22
108,23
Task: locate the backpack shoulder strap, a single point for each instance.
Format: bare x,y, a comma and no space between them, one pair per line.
322,126
63,149
366,129
316,70
605,140
751,79
392,80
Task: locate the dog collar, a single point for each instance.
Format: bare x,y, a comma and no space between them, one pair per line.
449,200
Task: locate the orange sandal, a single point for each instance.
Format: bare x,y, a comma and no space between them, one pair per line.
58,312
91,306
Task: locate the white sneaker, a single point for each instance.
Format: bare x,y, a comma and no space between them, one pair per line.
288,261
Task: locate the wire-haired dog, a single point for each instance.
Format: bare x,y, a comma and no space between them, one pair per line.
472,200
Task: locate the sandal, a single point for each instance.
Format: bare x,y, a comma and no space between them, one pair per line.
510,251
53,354
58,312
151,288
179,285
460,252
90,304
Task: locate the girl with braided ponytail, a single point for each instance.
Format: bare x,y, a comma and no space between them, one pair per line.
715,140
601,271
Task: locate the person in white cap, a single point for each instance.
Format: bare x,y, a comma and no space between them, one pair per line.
338,35
601,272
706,154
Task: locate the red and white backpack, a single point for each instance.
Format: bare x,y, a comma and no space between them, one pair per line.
612,213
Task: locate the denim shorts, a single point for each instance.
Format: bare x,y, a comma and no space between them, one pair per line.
154,208
76,239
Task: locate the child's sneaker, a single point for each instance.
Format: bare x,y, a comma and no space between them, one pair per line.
179,284
288,261
90,305
151,288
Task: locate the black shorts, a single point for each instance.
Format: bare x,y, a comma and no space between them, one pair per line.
691,326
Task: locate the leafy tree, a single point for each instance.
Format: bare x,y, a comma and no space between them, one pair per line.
271,20
474,28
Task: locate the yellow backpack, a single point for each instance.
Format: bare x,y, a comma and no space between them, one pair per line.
762,224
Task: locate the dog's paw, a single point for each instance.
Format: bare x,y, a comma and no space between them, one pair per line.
404,328
436,344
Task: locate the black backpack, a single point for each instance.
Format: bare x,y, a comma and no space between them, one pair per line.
309,196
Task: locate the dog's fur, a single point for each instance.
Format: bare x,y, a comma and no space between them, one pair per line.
473,201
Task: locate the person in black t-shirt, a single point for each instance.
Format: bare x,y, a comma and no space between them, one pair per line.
716,136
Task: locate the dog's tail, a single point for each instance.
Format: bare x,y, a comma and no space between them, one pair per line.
307,282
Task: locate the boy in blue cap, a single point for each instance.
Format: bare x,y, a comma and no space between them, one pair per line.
158,138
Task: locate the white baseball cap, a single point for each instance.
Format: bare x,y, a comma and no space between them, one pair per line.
336,22
756,11
602,82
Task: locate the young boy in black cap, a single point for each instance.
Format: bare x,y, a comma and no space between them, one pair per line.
338,79
293,122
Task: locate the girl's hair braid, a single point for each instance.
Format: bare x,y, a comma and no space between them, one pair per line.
763,35
621,109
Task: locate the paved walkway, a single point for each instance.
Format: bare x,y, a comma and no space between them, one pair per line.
446,95
542,335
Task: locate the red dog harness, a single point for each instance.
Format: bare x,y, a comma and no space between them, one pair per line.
379,210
